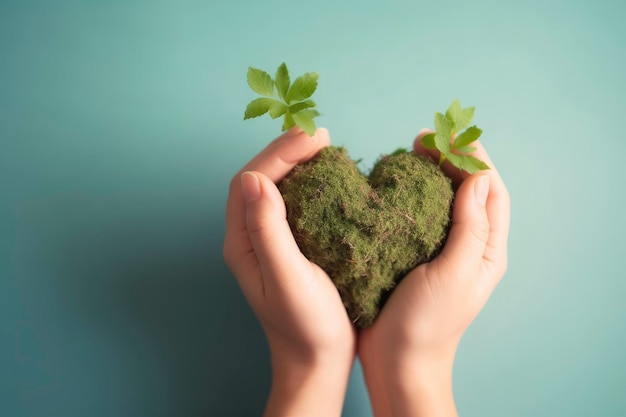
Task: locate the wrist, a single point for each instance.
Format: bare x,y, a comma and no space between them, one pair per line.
411,383
423,387
311,388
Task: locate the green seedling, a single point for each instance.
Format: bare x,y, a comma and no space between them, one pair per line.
455,147
282,98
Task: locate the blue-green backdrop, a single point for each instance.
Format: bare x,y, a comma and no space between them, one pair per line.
121,125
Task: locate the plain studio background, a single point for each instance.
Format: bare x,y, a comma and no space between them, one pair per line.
121,125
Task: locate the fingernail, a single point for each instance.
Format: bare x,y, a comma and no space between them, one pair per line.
250,187
481,189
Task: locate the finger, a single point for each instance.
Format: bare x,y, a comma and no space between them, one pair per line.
285,152
463,252
275,161
499,214
278,255
420,150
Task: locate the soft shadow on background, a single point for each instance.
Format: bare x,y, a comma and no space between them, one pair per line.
119,303
121,126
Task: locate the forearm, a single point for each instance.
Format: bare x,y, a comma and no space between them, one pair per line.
411,387
307,389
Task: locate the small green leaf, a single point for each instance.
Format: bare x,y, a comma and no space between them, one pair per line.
277,109
260,82
295,108
467,137
289,122
282,80
454,112
442,143
312,113
428,141
258,107
302,88
443,129
304,119
466,149
460,117
467,163
443,126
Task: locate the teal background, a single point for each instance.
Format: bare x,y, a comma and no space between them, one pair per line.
121,125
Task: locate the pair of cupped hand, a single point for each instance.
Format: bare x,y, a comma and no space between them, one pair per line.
299,307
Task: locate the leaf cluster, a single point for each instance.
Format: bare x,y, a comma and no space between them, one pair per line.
280,97
452,145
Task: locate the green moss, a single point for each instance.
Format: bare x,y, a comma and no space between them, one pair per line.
367,233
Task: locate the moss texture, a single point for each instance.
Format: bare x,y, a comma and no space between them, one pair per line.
368,232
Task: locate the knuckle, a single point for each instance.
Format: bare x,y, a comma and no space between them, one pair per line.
260,228
480,230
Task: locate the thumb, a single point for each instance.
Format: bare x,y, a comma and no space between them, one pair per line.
277,252
465,247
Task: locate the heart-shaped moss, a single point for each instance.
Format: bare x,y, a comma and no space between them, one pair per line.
367,233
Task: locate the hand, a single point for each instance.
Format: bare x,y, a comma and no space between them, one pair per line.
311,339
407,354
